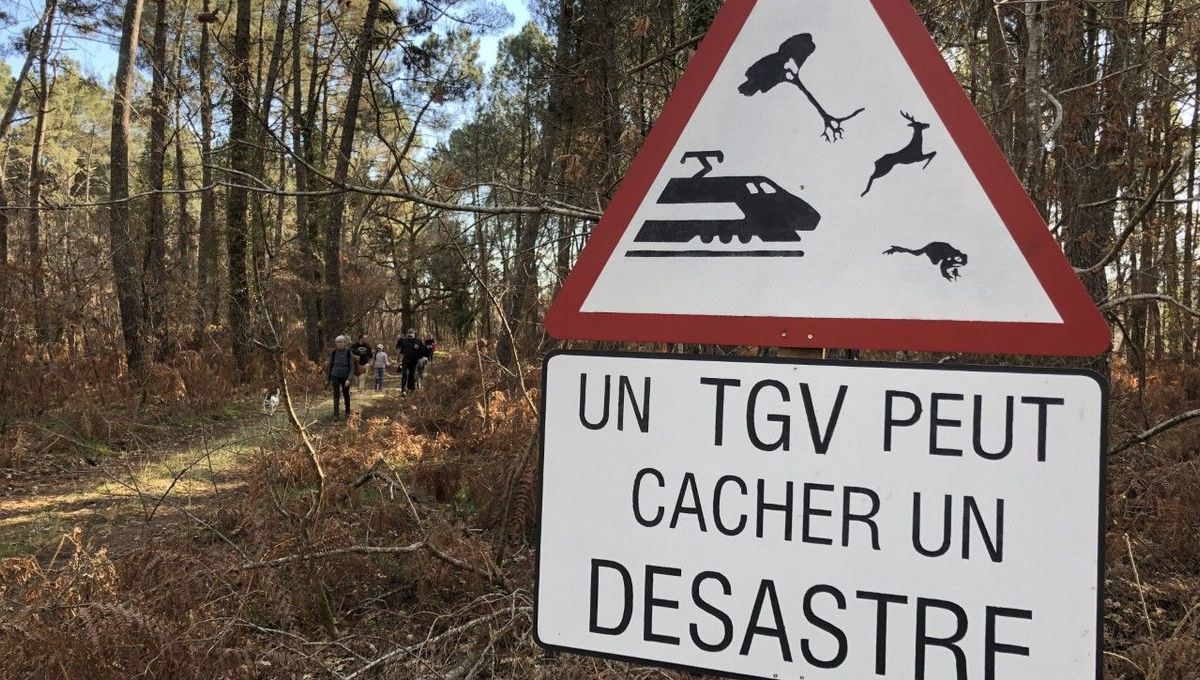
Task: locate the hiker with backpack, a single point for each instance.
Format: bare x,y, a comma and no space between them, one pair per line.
362,357
427,351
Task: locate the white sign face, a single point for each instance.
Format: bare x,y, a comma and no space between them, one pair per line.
822,521
828,259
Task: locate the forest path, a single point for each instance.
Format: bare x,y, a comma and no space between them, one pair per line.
176,466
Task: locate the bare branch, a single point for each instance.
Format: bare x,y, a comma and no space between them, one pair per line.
1136,220
1156,430
15,99
339,187
1058,118
692,42
352,550
1141,297
474,623
490,576
61,207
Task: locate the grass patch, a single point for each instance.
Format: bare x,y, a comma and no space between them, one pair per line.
199,454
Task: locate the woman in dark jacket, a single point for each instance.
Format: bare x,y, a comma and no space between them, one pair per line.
341,369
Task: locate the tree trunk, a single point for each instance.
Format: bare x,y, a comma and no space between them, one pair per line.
154,282
999,79
281,203
35,38
306,227
41,305
482,253
207,287
337,203
241,162
1189,228
1074,65
261,240
1166,245
122,248
186,244
1147,320
3,215
1032,156
522,301
605,20
404,273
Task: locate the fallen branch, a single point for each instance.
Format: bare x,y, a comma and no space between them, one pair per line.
1141,589
373,550
175,480
475,623
352,550
393,482
1156,430
492,577
369,474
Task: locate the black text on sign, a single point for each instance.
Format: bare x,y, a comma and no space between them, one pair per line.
774,519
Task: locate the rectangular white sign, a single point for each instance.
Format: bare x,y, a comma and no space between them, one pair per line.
821,520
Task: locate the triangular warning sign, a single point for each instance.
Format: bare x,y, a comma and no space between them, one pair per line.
819,179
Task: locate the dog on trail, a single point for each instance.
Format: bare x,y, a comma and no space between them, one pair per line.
270,403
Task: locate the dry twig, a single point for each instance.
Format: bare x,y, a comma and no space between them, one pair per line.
474,623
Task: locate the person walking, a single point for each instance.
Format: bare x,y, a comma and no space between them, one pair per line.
426,358
380,362
411,350
341,368
362,356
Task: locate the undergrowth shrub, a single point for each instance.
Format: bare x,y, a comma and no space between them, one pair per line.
456,466
492,464
78,619
1152,547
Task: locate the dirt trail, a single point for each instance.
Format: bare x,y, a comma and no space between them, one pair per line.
157,478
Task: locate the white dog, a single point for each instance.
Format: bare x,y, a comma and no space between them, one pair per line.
270,403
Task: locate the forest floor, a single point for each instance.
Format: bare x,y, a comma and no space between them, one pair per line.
168,470
207,537
205,541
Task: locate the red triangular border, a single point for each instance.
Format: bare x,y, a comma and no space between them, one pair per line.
1083,333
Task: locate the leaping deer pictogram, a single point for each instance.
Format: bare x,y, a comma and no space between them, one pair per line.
913,153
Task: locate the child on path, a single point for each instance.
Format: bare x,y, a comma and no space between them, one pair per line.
380,364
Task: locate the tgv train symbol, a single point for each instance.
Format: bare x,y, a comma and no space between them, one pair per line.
770,212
